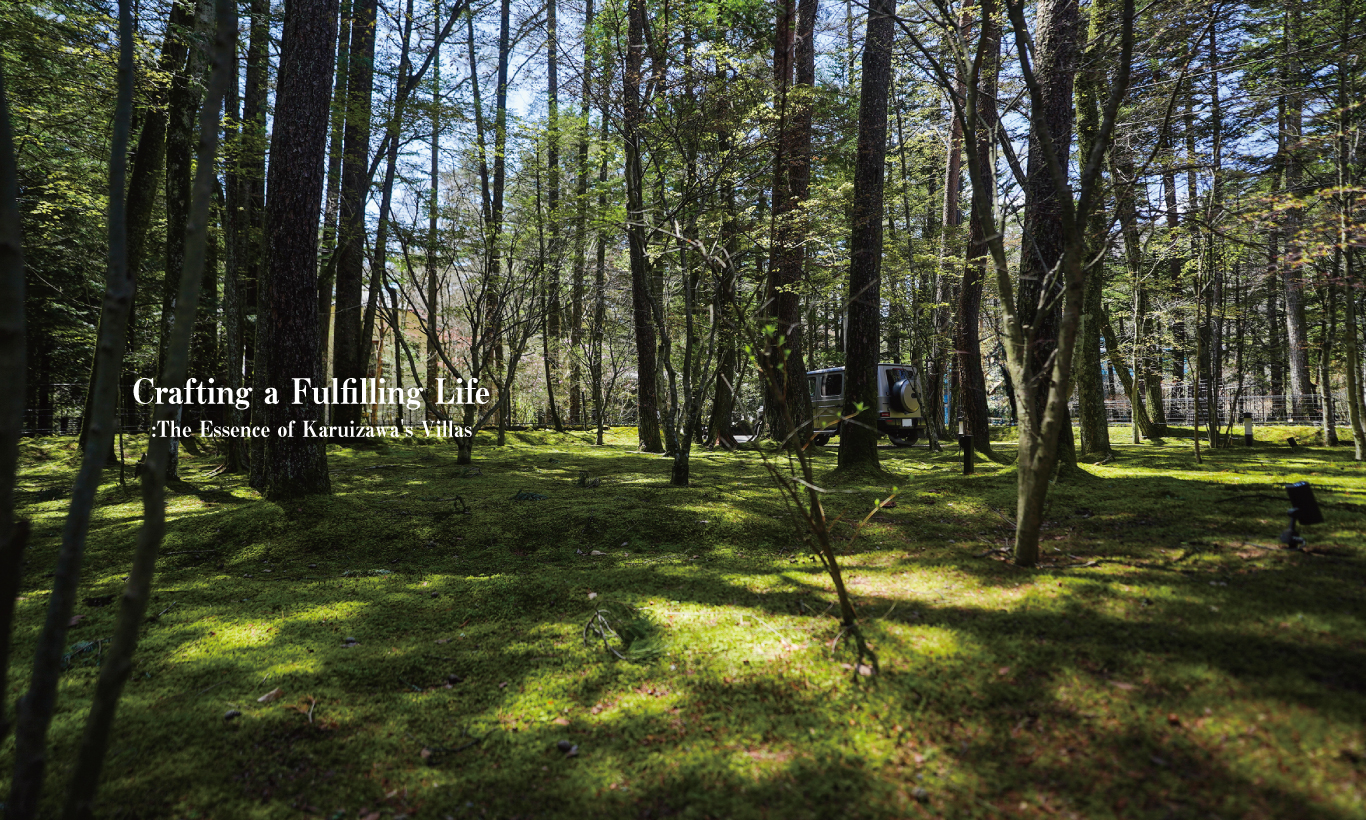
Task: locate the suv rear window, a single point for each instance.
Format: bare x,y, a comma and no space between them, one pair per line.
896,374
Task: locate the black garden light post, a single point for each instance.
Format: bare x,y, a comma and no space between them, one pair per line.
1303,510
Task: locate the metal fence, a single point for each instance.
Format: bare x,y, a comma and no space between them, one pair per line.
1180,409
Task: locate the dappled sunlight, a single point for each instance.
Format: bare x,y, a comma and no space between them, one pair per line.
428,660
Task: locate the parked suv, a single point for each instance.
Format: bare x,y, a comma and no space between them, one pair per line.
898,403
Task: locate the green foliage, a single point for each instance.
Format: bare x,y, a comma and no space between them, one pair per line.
1164,639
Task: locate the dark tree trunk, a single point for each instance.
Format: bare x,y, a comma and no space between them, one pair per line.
147,162
235,236
433,212
968,342
327,278
794,52
347,341
723,298
39,702
1041,282
1175,261
13,373
1090,86
577,414
495,247
296,465
182,106
380,252
554,319
858,435
1292,162
253,221
647,385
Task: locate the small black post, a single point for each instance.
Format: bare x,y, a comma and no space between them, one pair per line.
1247,428
965,442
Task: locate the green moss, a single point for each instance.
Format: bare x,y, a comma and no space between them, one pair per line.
1166,660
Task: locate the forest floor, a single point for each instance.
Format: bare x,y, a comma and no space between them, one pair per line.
1169,659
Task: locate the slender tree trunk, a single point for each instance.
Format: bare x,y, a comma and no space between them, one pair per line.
253,220
118,661
791,182
858,435
724,307
968,341
580,261
236,236
1356,412
1329,330
1292,275
1275,353
295,465
347,340
327,278
38,704
554,316
600,289
647,382
433,212
1112,347
13,373
380,252
182,106
494,309
1041,280
148,159
1175,261
1090,85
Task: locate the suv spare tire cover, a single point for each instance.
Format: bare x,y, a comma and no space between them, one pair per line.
903,397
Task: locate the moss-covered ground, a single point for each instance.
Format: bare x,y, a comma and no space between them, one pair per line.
1168,660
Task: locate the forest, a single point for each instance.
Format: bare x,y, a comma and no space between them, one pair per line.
751,323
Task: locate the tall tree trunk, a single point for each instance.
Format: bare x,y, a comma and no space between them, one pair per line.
295,465
495,248
1347,179
724,307
647,382
1041,278
433,211
38,704
1215,293
1292,163
148,159
554,318
600,289
1090,85
347,342
182,105
13,373
118,661
380,252
254,195
1175,259
236,235
1145,394
793,48
327,278
580,261
967,340
858,435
